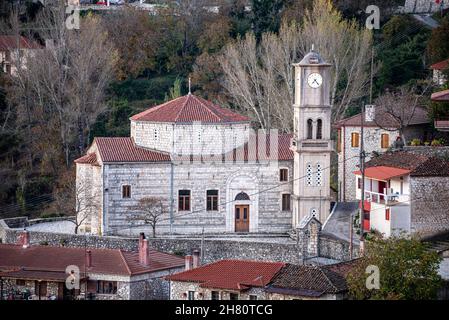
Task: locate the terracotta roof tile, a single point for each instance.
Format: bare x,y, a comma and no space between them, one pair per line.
441,95
90,158
231,274
123,149
417,164
308,281
187,109
420,116
10,42
440,65
104,261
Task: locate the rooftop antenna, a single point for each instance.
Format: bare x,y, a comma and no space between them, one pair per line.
189,86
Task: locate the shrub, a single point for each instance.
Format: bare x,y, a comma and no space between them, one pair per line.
436,142
415,142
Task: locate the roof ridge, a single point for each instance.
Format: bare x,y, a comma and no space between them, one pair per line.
183,106
208,108
323,271
125,261
152,109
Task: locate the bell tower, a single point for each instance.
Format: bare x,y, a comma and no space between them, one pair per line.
312,143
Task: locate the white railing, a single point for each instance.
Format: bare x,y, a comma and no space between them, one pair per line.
390,198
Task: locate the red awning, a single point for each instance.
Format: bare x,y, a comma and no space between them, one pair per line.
383,172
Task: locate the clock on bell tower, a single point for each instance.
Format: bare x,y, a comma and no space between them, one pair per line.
312,143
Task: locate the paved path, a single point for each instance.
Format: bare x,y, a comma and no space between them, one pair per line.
54,227
338,222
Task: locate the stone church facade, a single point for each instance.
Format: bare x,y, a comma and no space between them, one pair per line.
210,170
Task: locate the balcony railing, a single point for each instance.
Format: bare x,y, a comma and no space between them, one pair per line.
387,199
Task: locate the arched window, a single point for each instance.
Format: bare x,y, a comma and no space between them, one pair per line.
314,213
309,129
319,129
241,196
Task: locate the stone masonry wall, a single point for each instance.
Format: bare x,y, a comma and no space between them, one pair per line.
429,209
422,6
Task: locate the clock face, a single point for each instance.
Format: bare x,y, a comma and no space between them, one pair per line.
314,80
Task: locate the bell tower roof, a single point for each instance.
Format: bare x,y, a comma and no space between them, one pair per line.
313,58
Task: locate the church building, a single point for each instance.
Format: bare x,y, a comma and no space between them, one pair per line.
209,170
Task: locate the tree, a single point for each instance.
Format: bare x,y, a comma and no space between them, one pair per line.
77,198
258,76
397,107
438,45
149,210
266,16
407,270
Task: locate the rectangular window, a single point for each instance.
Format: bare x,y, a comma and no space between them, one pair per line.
212,200
387,214
126,191
355,140
106,287
233,296
184,200
384,140
286,202
252,297
359,183
191,295
215,295
283,174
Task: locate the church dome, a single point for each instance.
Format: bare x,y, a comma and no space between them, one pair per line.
187,109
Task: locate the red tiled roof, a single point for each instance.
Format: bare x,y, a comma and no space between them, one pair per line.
383,172
420,116
33,274
189,108
440,96
123,149
90,158
104,261
417,164
440,65
231,274
10,42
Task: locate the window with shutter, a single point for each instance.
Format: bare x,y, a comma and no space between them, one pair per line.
355,139
385,141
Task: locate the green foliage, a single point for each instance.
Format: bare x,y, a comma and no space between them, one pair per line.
175,91
266,16
408,270
415,142
438,46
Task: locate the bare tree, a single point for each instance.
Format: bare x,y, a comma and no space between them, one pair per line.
149,210
77,198
396,110
259,78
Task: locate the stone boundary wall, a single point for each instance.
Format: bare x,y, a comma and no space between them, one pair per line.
214,249
442,151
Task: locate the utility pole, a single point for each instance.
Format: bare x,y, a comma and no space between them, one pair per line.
362,170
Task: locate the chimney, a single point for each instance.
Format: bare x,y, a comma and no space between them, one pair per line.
188,260
370,111
196,258
144,253
88,259
141,238
24,239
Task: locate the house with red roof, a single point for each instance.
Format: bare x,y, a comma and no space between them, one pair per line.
405,192
14,50
39,272
441,122
438,72
380,132
258,280
204,162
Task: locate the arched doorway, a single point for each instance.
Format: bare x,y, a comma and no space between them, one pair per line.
241,213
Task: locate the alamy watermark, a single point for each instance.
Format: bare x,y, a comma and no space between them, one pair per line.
373,279
373,20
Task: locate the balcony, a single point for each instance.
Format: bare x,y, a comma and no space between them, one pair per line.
388,199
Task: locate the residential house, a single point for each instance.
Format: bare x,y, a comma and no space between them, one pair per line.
438,72
441,123
39,272
405,192
258,280
15,50
380,131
